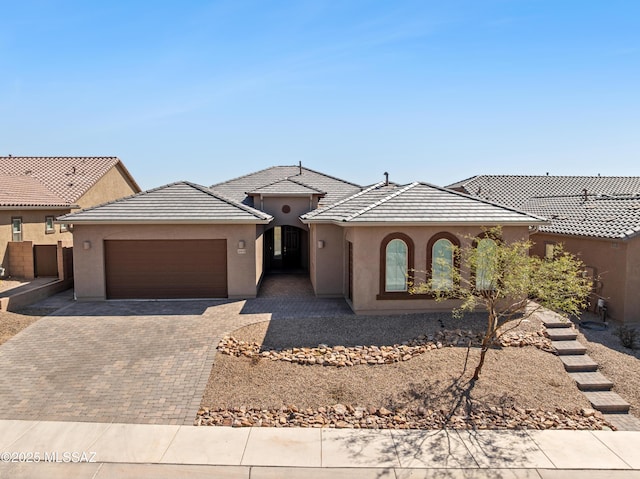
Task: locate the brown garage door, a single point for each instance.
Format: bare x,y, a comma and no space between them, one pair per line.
157,269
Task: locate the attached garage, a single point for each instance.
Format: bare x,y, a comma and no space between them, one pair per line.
165,269
178,241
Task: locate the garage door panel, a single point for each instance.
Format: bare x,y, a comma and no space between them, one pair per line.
158,269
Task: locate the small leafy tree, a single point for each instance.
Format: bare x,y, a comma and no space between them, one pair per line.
506,281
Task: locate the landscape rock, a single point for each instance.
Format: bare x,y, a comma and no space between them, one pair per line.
343,416
342,356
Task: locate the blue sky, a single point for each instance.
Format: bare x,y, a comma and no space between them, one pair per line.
433,91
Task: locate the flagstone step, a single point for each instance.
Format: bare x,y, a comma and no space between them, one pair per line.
623,421
578,363
564,348
591,381
607,401
562,334
554,322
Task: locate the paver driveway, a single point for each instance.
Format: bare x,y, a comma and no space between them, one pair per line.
141,362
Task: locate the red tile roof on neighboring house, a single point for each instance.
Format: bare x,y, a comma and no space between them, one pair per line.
25,191
68,177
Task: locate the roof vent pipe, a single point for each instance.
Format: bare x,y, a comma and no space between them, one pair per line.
300,167
386,179
584,194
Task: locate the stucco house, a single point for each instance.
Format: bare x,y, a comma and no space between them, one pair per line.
594,217
36,190
184,240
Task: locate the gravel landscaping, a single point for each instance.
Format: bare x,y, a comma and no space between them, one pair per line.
517,385
619,364
12,323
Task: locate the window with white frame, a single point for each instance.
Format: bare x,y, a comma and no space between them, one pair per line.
48,225
16,229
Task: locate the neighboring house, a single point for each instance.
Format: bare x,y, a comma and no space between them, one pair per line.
595,217
36,190
184,240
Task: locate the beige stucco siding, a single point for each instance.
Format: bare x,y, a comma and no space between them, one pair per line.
113,185
89,270
609,260
273,206
259,252
632,304
327,272
366,264
33,229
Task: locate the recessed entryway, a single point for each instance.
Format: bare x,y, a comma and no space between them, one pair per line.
286,248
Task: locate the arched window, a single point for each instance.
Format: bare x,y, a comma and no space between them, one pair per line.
485,264
396,264
397,259
442,260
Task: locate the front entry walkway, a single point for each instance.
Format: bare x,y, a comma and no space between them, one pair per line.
291,296
286,285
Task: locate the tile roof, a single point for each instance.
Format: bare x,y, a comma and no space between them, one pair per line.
68,177
515,190
25,191
180,202
288,186
335,188
604,216
607,210
417,203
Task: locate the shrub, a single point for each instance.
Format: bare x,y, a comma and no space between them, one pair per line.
628,336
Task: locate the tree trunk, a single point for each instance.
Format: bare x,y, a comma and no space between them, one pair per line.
483,353
486,342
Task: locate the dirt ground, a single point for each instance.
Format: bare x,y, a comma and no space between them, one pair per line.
12,323
524,377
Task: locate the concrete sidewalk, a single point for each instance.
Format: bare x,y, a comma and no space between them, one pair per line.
157,451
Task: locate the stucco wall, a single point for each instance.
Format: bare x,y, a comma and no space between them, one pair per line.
273,206
632,304
329,261
89,272
113,185
259,252
609,260
33,229
366,265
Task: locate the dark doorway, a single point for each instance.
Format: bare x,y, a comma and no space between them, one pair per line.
284,247
45,259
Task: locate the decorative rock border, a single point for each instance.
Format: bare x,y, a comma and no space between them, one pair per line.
341,356
347,416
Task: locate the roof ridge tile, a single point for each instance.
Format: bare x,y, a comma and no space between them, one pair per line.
380,201
315,212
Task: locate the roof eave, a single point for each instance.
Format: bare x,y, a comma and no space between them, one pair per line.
422,223
77,221
38,207
288,195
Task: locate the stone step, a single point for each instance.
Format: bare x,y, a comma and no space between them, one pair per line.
554,322
564,348
578,363
591,381
623,421
561,334
607,401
